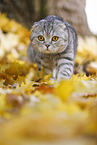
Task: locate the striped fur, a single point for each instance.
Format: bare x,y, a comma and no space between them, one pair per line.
60,56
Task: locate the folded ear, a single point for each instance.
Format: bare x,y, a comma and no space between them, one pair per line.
31,29
36,24
60,24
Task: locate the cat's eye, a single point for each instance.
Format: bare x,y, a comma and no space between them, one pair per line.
55,38
40,38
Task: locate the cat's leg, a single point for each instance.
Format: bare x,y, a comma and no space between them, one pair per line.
46,65
54,73
33,56
39,65
47,69
65,67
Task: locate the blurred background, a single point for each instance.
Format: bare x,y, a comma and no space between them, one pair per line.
31,108
27,12
91,12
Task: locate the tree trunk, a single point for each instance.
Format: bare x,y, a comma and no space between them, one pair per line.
72,11
28,11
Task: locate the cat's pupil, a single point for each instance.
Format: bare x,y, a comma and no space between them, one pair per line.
55,38
41,38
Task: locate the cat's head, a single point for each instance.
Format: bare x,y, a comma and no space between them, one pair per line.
49,36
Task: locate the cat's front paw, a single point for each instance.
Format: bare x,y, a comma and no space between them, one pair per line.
52,79
60,78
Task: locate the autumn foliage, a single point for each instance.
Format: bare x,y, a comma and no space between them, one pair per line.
37,110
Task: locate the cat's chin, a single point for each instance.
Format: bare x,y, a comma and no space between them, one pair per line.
47,51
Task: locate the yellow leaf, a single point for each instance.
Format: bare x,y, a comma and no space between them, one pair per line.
64,89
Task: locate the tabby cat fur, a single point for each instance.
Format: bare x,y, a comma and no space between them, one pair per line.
53,45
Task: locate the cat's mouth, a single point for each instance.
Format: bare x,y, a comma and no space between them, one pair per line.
47,51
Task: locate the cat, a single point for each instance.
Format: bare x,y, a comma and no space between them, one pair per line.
53,45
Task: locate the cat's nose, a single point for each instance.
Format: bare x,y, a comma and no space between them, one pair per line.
47,45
